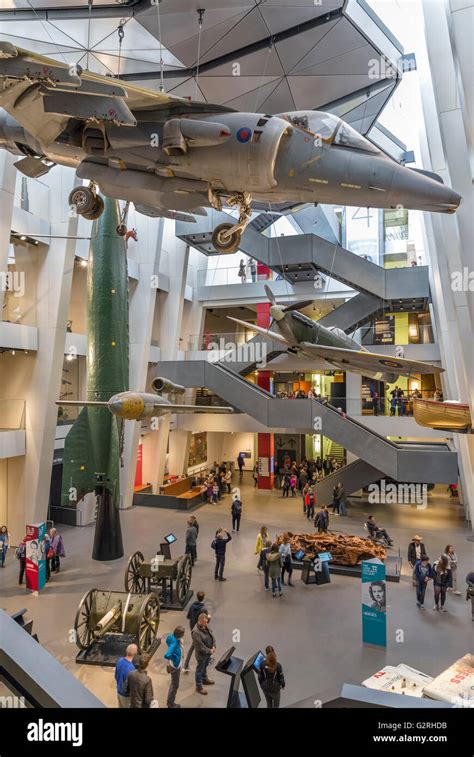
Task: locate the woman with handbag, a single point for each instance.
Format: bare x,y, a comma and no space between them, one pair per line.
287,567
48,555
4,541
57,547
271,678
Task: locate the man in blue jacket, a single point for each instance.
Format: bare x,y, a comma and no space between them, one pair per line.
219,545
423,573
174,655
123,667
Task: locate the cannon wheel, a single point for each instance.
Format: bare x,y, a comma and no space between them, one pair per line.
148,622
183,577
134,582
81,624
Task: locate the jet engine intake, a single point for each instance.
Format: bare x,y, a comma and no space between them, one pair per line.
12,134
161,384
181,133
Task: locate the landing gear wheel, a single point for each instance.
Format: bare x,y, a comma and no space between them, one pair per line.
121,229
96,211
82,199
223,242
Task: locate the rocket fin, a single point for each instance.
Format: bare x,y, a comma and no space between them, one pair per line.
78,467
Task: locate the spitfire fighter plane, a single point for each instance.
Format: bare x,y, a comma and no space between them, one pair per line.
304,337
174,157
136,406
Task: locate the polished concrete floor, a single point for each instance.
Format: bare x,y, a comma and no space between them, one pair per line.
316,631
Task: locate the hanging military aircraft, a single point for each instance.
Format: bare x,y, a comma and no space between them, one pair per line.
135,406
304,337
173,157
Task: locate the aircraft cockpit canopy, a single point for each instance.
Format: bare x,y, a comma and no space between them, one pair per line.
338,332
331,129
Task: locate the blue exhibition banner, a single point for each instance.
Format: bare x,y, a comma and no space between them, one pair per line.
374,596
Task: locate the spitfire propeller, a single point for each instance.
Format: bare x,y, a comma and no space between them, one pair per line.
277,311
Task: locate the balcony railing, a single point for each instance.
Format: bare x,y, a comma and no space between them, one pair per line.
223,342
417,334
223,276
12,414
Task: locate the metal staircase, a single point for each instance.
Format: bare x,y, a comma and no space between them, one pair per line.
417,463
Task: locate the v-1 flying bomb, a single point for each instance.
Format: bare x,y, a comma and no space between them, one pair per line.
173,157
303,336
135,406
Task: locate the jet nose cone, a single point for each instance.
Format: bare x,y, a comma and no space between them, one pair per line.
424,191
116,405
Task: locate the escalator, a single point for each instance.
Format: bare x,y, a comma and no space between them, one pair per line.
402,462
354,476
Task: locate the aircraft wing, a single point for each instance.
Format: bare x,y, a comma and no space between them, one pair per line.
264,332
78,403
372,362
195,408
42,94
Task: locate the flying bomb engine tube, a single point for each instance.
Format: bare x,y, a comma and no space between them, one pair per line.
161,384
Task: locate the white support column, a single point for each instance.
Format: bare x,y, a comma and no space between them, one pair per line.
7,195
53,290
171,321
445,71
353,393
142,301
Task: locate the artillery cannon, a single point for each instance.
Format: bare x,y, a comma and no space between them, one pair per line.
108,621
169,579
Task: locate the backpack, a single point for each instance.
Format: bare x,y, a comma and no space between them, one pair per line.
237,507
213,544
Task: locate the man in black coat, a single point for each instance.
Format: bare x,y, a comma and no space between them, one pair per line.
204,647
219,545
138,685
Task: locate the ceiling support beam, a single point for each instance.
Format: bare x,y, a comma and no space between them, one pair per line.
241,52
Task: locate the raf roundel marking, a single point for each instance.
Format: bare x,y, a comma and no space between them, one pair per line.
244,134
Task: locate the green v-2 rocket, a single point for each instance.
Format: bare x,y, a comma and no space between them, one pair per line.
92,449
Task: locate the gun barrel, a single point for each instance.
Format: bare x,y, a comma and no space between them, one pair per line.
108,619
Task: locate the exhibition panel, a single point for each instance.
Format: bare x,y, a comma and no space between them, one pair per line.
236,378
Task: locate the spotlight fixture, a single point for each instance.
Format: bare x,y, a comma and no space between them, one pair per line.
83,263
16,237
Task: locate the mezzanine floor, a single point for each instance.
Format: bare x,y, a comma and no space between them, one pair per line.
316,631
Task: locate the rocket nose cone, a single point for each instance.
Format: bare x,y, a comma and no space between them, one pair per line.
116,405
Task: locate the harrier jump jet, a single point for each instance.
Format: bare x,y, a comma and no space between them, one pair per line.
310,339
174,157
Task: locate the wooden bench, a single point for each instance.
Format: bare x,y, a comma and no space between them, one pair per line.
189,495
